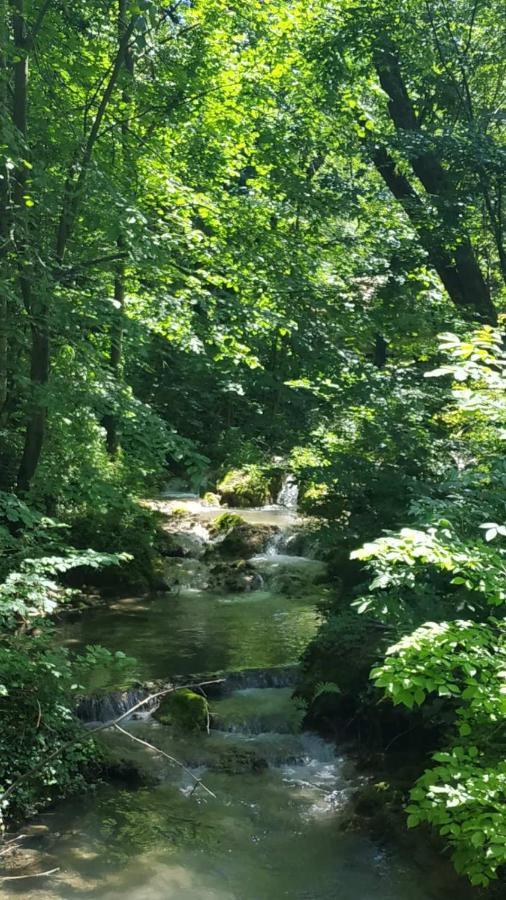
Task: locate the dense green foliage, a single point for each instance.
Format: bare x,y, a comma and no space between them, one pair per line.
453,565
231,236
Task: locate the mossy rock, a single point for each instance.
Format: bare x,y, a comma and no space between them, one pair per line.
180,512
239,538
238,761
225,522
211,499
185,710
370,800
244,488
247,540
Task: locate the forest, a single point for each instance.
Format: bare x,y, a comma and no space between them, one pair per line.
252,426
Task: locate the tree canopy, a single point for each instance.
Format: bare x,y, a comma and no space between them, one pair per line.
237,233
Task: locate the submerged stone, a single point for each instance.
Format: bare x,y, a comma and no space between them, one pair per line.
235,577
184,573
238,760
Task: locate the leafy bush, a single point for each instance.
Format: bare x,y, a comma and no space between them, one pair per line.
454,561
44,751
40,684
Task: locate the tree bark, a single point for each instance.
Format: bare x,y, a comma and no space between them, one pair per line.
116,352
111,423
439,258
465,283
380,351
35,306
39,374
4,218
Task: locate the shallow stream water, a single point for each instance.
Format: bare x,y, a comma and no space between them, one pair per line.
278,825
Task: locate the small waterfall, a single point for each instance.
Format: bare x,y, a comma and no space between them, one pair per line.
270,677
275,544
289,493
110,706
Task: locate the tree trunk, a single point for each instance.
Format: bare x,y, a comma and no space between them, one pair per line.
4,218
39,373
439,258
35,307
380,351
116,353
111,423
465,283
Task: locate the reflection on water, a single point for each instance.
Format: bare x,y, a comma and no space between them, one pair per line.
277,834
200,632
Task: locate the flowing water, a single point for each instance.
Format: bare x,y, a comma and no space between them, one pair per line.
278,823
289,493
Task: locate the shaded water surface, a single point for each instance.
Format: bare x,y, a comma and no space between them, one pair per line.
197,631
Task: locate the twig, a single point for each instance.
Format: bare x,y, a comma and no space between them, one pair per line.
35,875
37,25
198,782
397,736
63,274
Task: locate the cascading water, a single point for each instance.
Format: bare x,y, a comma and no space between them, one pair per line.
284,570
289,493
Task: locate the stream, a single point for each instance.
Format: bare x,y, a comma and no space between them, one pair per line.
278,825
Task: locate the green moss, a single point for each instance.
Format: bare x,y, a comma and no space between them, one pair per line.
225,522
179,512
185,710
238,760
245,487
211,499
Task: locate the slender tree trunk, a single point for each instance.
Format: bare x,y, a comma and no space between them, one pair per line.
380,351
4,217
39,374
465,284
116,353
439,258
35,305
111,422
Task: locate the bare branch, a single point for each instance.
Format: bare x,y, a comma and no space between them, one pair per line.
37,25
90,263
73,186
198,781
35,875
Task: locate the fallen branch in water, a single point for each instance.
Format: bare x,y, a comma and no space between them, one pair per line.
198,781
75,740
35,875
7,847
